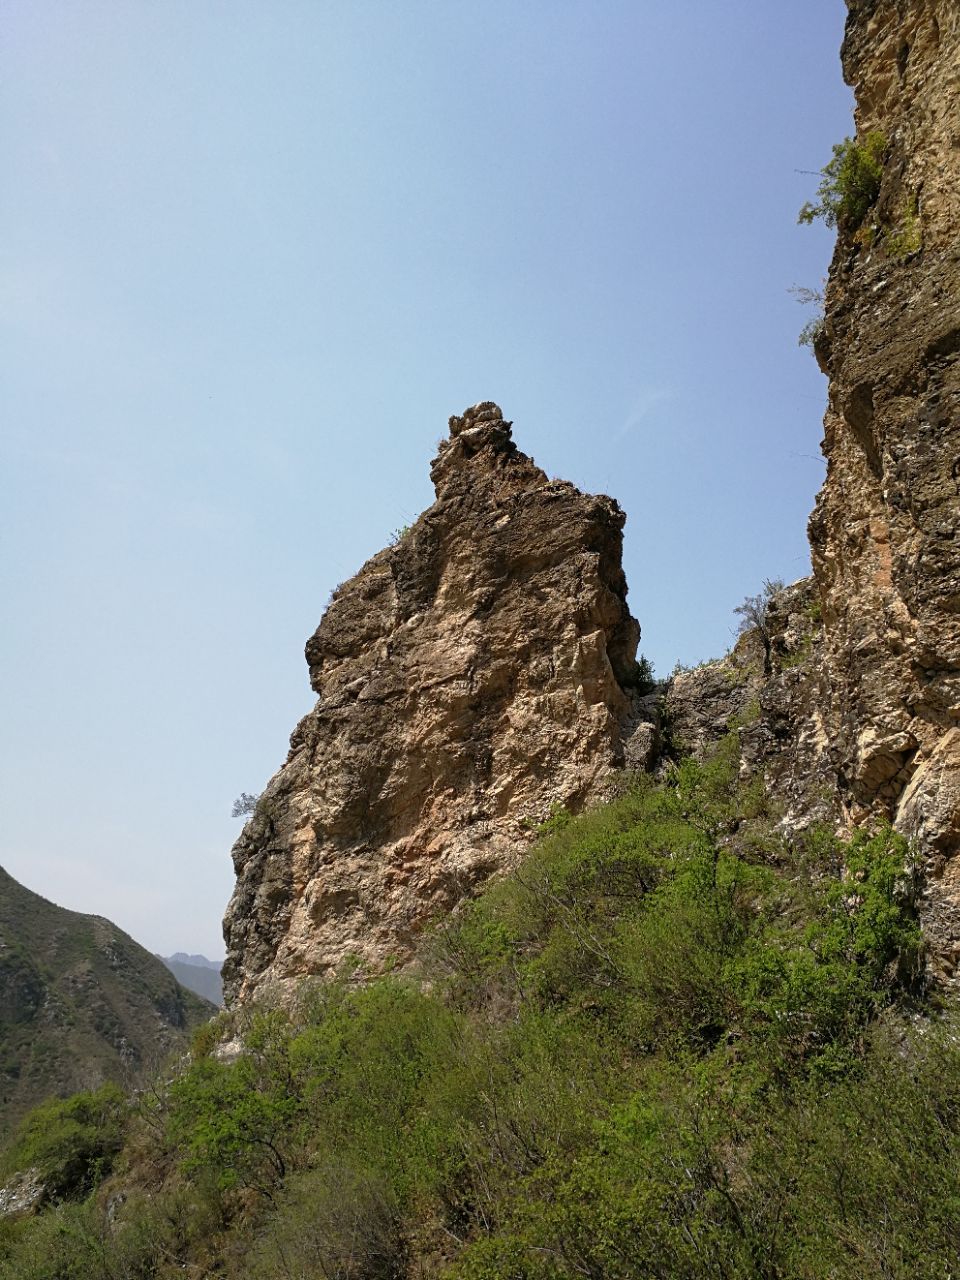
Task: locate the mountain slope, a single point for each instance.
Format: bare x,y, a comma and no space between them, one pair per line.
197,974
80,1002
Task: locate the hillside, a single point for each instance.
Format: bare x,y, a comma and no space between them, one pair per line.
672,1045
197,974
80,1003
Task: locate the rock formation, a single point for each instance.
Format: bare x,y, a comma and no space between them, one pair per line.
772,688
469,678
480,671
886,550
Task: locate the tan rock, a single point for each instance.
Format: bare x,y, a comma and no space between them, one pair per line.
469,678
884,534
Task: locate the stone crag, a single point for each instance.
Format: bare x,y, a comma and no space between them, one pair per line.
469,678
884,536
859,719
483,669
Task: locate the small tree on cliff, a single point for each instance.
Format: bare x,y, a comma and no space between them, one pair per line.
754,614
244,805
849,183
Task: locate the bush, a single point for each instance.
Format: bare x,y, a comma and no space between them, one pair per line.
335,1224
72,1143
668,1045
908,236
850,183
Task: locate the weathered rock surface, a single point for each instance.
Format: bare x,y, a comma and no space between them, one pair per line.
469,678
886,550
478,672
771,687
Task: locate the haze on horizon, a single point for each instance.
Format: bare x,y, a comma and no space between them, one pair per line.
253,255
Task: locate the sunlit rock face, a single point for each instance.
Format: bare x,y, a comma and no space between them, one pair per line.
884,534
469,678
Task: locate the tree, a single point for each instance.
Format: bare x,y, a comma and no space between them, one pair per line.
754,614
849,183
244,805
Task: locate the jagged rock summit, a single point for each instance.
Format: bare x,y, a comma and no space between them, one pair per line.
470,677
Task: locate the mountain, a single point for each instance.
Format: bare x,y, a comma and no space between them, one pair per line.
201,962
708,1027
197,974
80,1003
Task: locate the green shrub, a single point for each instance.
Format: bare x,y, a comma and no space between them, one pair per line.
71,1143
671,1044
850,183
335,1223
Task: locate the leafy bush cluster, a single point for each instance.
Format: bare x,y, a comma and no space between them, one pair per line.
71,1144
667,1046
849,183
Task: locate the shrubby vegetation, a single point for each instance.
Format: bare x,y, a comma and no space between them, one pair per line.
670,1045
71,1144
849,183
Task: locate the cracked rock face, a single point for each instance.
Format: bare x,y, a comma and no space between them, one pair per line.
884,534
468,679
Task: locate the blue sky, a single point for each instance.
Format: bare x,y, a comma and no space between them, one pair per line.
253,255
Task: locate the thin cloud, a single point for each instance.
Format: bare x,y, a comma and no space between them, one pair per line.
643,406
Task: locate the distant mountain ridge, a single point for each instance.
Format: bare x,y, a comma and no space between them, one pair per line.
80,1002
181,957
197,974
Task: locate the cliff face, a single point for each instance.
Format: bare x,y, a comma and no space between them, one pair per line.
469,678
772,688
886,550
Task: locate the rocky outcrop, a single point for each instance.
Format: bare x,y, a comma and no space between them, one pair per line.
886,550
771,687
480,671
469,678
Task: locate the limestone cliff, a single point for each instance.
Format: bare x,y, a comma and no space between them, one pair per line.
886,551
469,678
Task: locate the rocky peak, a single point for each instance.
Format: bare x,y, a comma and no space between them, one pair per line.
470,677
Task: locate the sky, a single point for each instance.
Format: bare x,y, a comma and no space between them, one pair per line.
254,253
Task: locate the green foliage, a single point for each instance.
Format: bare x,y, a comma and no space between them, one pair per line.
71,1144
849,184
641,677
810,332
230,1119
333,1223
814,326
666,1046
398,535
245,805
